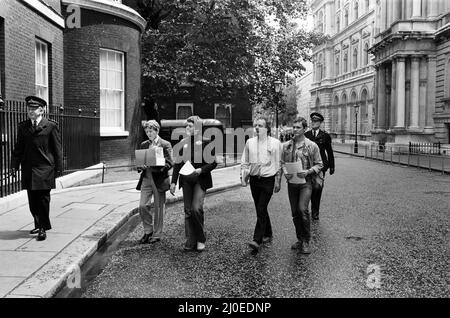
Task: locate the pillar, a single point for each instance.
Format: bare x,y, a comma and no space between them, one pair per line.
431,94
416,8
396,10
381,98
400,93
392,113
433,8
415,86
349,119
383,15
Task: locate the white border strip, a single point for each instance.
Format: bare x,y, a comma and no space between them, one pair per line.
46,11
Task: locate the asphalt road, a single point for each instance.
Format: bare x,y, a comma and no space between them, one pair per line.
373,215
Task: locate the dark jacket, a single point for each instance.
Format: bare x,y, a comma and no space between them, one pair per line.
185,151
39,152
323,140
160,174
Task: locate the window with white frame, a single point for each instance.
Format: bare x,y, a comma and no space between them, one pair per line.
184,110
41,69
112,97
222,112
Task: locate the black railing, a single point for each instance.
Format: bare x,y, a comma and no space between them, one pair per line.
425,148
80,137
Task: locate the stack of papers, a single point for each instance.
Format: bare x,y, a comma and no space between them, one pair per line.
151,157
293,168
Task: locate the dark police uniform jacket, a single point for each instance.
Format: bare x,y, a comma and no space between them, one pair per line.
323,140
39,152
160,174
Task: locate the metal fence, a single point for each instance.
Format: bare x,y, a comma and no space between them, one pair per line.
80,137
425,148
398,154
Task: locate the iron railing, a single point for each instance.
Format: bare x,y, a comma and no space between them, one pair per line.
80,138
425,148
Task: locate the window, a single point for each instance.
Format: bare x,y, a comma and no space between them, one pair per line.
356,10
337,66
345,62
338,3
184,110
320,25
355,59
367,5
222,112
41,69
338,24
346,18
366,54
112,110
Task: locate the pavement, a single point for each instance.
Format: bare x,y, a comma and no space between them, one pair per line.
438,163
384,231
83,218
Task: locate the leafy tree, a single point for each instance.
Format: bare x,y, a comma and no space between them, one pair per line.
223,46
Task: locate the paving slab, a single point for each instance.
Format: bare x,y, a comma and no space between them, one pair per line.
10,240
9,283
22,263
54,243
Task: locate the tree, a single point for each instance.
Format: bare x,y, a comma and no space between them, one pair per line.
223,46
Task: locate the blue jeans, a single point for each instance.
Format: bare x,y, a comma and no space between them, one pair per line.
299,197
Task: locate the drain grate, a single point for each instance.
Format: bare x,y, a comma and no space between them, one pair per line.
354,238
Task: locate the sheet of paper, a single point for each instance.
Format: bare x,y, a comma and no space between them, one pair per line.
156,157
187,169
293,168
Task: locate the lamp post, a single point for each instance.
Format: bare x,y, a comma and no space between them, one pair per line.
277,84
355,150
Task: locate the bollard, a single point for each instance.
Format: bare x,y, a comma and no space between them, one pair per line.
429,162
103,172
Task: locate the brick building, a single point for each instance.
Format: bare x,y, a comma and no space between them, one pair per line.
31,50
102,68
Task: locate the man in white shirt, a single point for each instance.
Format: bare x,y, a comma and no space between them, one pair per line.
261,161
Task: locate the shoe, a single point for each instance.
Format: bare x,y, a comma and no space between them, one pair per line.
145,238
154,240
267,239
200,246
305,248
34,231
297,245
315,216
41,236
253,245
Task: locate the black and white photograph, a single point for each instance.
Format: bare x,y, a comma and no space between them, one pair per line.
219,157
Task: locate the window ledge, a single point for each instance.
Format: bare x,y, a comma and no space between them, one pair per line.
114,133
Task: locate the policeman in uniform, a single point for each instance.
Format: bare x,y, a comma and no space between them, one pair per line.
323,140
38,151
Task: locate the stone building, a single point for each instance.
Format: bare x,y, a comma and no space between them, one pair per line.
343,73
412,60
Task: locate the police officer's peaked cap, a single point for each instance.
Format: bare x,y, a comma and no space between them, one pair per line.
316,116
34,101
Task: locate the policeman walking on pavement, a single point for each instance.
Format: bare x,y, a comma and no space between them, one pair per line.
323,140
38,152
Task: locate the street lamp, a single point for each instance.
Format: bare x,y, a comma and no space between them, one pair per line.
355,150
277,84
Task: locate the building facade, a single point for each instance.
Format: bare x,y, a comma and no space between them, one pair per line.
343,73
31,50
303,93
412,55
102,68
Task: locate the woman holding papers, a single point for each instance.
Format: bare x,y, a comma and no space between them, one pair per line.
193,169
154,181
301,162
